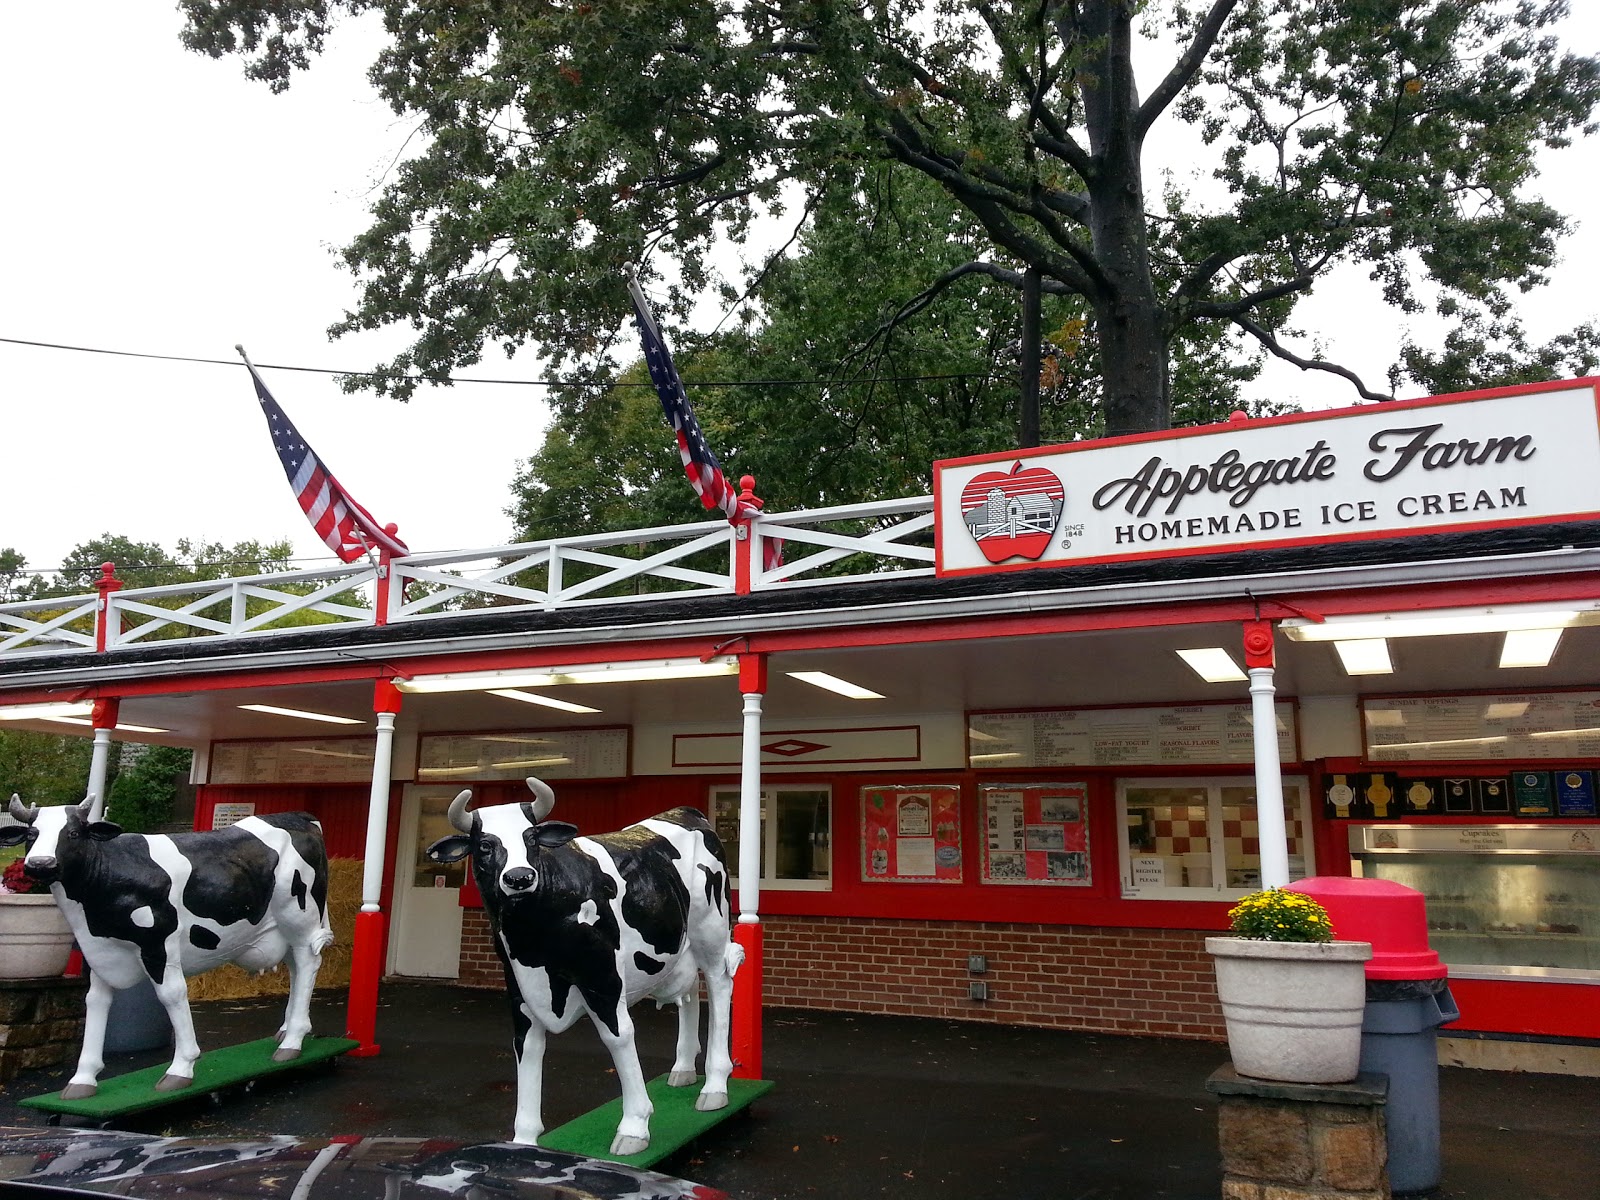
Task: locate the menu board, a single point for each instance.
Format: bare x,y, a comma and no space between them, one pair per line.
327,760
1036,833
1180,735
911,834
549,754
1484,728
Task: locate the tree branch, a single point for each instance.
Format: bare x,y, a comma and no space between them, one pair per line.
1266,338
1184,69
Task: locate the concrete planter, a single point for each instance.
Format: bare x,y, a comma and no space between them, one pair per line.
35,941
1293,1009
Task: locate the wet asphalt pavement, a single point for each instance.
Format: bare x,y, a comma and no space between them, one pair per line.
865,1106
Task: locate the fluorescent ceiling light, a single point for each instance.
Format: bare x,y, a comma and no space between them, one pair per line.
47,712
1529,647
977,758
120,726
832,683
1367,656
1213,664
1436,624
274,710
546,701
627,672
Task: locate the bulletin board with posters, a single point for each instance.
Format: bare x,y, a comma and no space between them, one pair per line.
911,834
1035,833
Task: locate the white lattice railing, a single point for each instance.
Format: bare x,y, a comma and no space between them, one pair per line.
843,545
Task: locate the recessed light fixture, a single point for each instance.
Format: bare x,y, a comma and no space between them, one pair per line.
1529,647
121,727
1213,664
1438,623
546,701
275,711
623,672
54,711
832,683
1365,656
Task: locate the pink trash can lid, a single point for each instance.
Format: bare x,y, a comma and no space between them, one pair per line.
1393,917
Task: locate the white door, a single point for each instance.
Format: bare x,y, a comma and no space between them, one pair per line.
426,942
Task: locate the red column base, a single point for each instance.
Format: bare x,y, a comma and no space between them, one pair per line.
747,1004
366,968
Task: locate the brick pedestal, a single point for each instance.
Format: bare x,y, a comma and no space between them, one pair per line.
41,1022
1301,1141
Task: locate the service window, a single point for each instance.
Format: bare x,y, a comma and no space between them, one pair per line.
796,848
1199,839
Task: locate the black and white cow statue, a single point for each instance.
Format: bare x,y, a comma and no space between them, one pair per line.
594,924
167,907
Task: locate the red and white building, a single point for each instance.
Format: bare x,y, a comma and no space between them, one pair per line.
1011,735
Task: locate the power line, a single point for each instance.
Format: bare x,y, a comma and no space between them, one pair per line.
546,383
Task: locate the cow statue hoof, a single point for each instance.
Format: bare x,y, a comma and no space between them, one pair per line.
79,1091
682,1079
623,1145
711,1101
282,1055
173,1083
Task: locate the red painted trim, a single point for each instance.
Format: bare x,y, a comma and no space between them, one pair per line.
747,989
366,968
386,698
753,674
380,601
1258,644
1536,1007
105,711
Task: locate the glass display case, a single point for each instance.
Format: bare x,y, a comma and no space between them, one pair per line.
1503,900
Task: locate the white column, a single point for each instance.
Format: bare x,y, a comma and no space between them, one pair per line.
1269,780
750,813
99,757
377,814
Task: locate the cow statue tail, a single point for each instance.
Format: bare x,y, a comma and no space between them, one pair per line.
733,956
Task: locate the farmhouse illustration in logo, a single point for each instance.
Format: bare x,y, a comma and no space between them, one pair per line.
1012,514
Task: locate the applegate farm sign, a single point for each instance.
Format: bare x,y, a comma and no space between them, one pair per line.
1517,456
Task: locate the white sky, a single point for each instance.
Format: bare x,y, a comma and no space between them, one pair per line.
156,201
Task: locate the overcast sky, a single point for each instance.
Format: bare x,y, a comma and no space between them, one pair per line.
156,201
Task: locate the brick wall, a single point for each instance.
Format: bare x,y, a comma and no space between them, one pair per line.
1156,982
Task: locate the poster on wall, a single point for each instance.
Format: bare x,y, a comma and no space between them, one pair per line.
231,813
911,834
1035,833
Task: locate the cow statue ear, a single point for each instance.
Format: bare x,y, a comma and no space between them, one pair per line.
551,834
13,835
103,831
450,849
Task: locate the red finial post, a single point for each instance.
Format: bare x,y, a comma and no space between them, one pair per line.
105,585
744,537
381,597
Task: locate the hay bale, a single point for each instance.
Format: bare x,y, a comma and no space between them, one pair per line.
344,902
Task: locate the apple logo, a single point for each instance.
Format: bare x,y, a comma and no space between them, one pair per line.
1012,514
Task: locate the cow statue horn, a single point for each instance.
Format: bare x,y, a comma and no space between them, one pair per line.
545,798
458,811
23,812
90,808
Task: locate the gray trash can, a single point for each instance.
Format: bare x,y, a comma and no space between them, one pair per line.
1400,1039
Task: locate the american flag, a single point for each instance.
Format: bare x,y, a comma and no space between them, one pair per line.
699,463
349,530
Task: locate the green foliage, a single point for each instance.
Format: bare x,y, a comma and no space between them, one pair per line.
43,768
144,793
1277,915
561,144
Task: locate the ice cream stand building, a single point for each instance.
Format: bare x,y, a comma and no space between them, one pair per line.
1002,753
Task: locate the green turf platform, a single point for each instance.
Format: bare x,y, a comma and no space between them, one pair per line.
675,1123
215,1070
